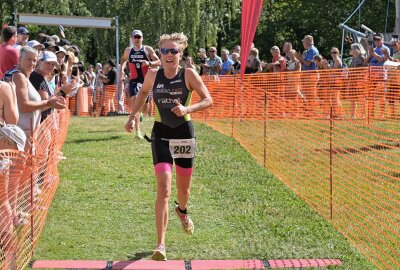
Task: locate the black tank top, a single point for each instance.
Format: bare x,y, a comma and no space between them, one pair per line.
165,91
137,72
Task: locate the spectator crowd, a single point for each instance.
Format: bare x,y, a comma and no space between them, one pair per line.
39,75
308,58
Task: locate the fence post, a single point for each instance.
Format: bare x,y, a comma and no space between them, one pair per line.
265,128
331,162
233,106
368,103
32,188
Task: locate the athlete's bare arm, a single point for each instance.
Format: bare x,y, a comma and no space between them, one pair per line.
195,83
141,98
124,60
154,60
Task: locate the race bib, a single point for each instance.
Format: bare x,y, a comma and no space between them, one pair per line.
182,148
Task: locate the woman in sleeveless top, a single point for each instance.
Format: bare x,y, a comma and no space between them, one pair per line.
173,133
30,104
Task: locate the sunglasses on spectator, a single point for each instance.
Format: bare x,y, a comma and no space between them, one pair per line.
137,36
334,52
211,51
167,51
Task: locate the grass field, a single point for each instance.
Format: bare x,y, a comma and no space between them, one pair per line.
103,208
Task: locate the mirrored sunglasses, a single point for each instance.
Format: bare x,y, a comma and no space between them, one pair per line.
167,51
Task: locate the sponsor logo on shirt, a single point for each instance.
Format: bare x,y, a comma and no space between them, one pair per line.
176,81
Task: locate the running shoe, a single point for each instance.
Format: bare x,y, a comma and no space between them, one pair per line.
141,117
187,223
139,135
159,253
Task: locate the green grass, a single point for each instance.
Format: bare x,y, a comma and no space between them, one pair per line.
103,208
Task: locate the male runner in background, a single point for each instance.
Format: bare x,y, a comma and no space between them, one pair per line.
139,58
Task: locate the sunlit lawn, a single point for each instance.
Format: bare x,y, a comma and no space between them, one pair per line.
103,209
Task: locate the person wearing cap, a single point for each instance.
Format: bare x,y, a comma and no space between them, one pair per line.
395,44
311,50
377,56
8,54
393,82
35,44
139,58
11,138
51,46
30,104
203,57
22,38
55,38
47,64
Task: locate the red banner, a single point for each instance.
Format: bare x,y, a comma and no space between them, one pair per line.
251,10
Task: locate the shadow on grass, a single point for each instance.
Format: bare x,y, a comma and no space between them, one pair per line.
140,255
95,140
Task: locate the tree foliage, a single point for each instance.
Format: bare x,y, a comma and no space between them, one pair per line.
206,22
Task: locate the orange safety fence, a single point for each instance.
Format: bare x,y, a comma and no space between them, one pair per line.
28,182
332,136
87,102
109,99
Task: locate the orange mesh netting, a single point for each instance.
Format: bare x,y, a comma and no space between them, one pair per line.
109,99
332,136
27,186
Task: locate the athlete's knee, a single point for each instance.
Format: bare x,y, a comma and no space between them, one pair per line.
163,192
183,192
184,171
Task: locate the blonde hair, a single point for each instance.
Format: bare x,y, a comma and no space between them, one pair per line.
358,48
254,51
179,38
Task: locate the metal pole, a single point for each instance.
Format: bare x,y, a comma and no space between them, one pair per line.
397,30
265,128
119,87
341,51
387,15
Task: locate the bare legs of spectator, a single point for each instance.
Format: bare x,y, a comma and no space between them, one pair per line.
150,108
145,108
120,98
377,96
391,97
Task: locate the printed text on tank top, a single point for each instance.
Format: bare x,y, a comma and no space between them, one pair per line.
166,92
136,57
